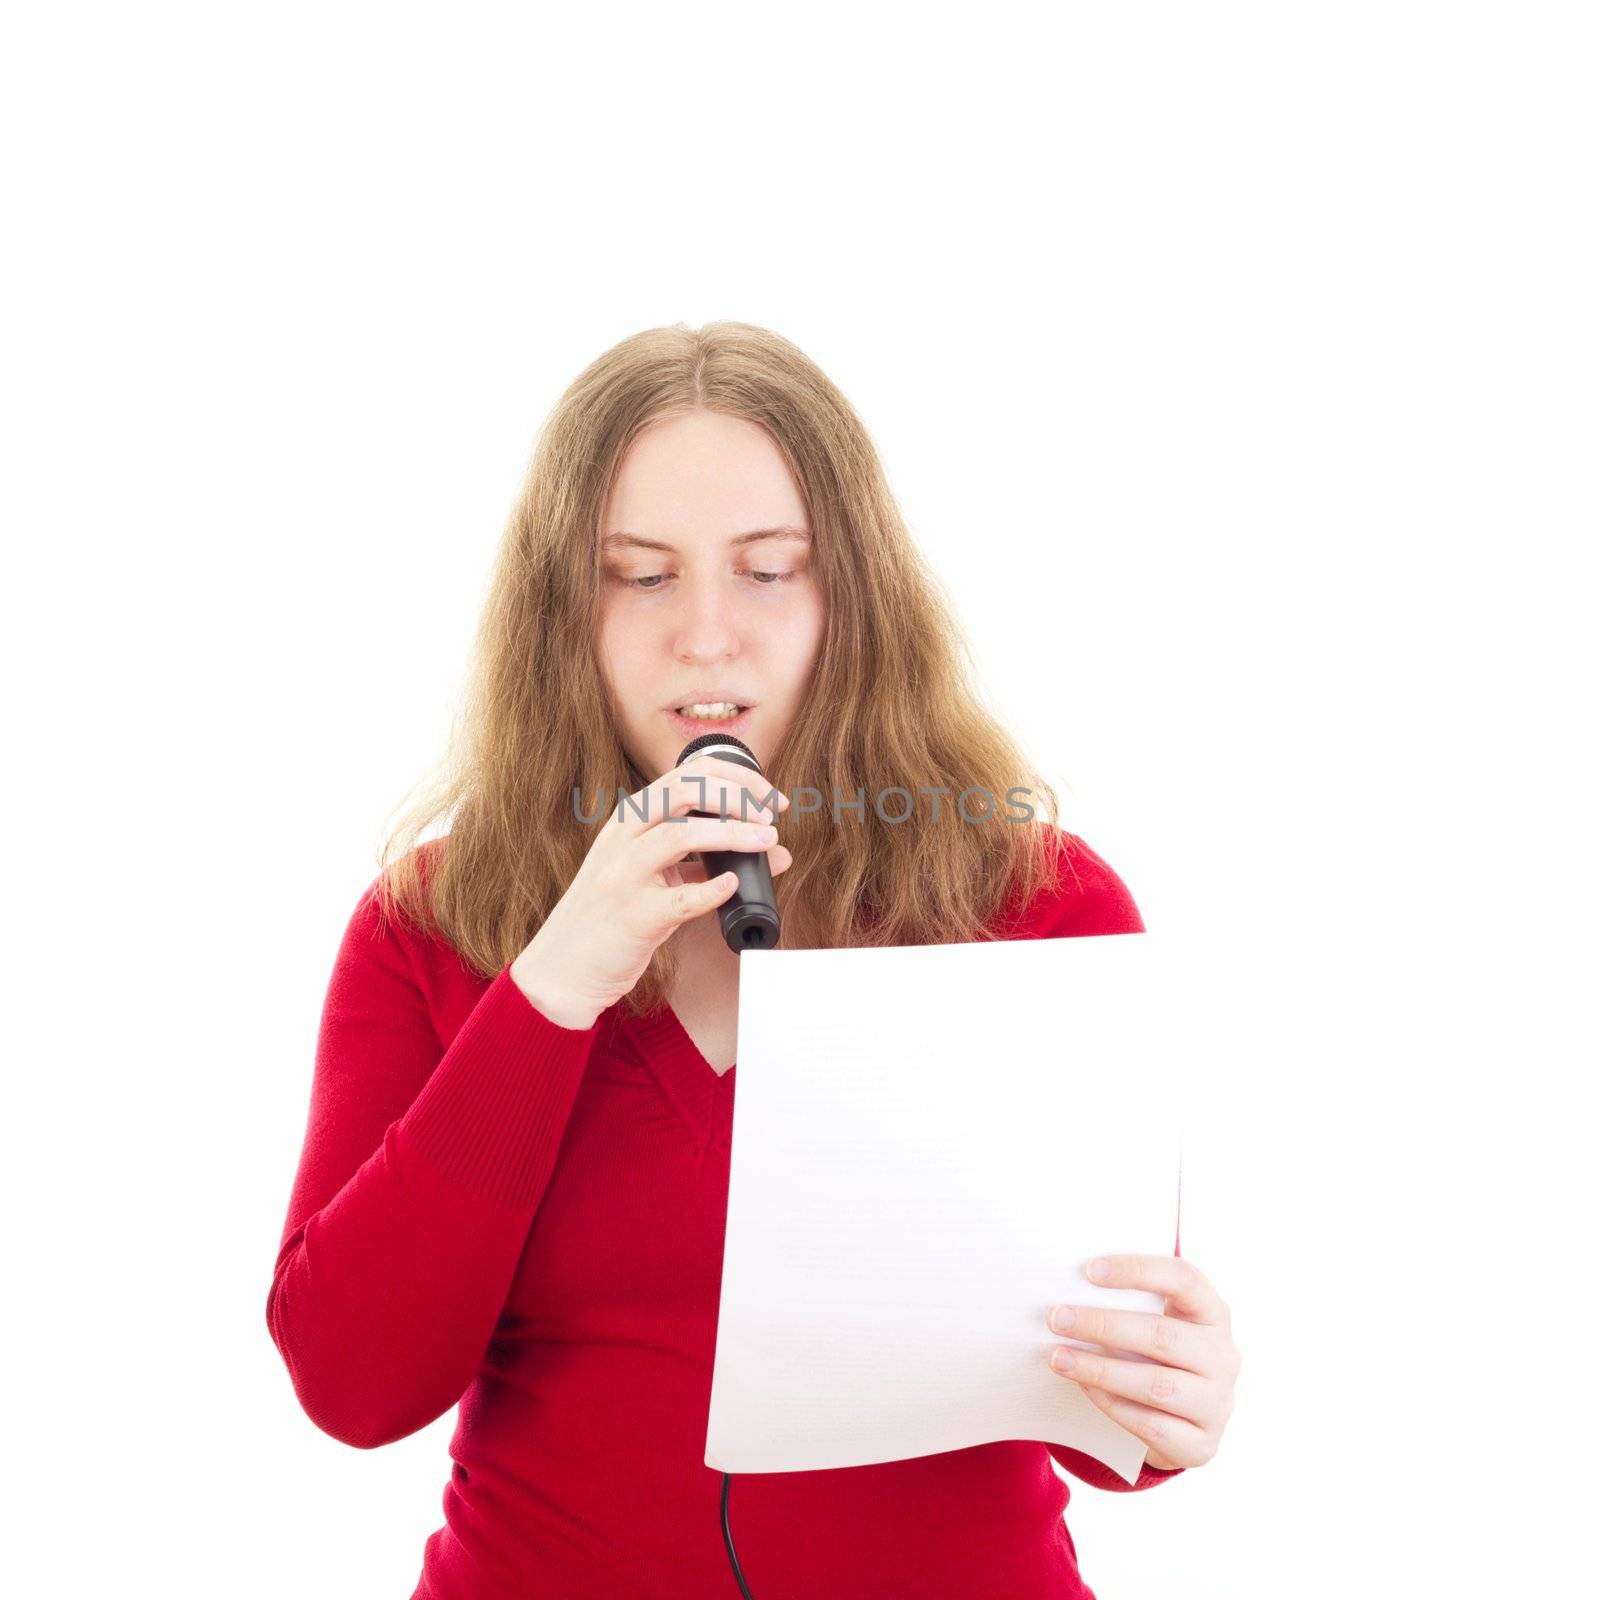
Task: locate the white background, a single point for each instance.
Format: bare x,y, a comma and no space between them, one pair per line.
1235,365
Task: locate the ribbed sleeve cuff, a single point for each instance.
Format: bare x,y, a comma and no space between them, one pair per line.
1097,1474
492,1114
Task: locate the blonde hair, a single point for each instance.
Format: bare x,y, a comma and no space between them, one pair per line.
892,701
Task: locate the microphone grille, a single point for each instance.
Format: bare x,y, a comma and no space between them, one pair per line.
720,744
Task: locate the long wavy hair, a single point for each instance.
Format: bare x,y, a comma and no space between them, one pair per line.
892,703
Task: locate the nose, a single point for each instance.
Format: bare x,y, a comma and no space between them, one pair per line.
706,628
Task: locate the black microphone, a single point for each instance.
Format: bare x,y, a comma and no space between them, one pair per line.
750,914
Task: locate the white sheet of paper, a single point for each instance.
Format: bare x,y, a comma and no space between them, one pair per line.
929,1145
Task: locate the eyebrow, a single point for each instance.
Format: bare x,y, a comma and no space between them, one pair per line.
636,541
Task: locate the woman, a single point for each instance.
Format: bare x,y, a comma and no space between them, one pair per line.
514,1182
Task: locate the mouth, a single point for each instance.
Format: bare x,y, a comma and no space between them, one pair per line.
723,717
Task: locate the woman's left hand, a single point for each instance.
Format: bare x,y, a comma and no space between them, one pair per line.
1178,1402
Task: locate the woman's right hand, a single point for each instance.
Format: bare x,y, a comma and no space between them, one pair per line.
634,889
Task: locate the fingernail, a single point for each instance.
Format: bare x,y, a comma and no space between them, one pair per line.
1061,1319
1062,1360
1097,1269
768,834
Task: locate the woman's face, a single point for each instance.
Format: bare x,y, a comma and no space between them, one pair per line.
693,608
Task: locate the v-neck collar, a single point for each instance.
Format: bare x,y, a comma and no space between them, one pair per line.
695,1088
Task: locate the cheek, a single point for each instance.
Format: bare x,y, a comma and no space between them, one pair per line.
809,632
798,645
619,642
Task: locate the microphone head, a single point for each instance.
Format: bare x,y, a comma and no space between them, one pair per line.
722,745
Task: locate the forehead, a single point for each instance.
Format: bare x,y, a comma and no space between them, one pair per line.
701,481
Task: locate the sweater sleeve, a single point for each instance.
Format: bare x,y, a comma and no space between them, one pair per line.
421,1171
1093,899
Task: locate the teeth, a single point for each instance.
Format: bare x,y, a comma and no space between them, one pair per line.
721,711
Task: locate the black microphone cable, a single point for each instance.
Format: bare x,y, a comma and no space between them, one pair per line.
750,921
727,1539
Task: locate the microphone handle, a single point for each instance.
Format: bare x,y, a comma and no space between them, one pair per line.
749,916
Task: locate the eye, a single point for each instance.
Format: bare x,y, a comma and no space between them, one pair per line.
650,582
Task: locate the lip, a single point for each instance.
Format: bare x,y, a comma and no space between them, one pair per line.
693,727
701,696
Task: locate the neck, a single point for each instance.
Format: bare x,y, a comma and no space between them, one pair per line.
703,948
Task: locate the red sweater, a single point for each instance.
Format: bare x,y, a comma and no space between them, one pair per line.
528,1219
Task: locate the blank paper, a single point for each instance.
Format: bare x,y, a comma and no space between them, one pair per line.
929,1145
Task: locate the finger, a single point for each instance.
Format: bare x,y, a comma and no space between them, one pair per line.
1180,1394
693,869
713,784
1179,1344
673,799
1188,1290
672,840
722,767
690,900
1170,1437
